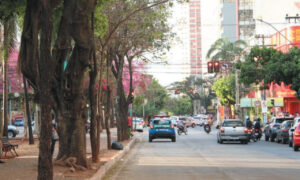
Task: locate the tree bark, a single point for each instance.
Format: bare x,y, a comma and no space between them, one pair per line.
31,140
108,105
45,167
5,81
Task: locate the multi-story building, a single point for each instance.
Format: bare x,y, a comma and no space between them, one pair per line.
195,37
238,22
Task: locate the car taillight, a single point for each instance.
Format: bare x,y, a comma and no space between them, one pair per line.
297,133
172,126
222,130
151,126
245,130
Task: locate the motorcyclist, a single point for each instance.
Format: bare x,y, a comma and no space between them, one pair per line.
249,124
257,126
181,125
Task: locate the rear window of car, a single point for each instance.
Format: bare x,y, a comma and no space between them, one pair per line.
232,123
289,124
161,122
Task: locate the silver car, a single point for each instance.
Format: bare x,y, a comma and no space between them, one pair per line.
232,130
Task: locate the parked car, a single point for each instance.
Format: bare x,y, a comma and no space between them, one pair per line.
272,127
291,130
232,130
12,131
19,122
137,125
283,132
296,138
162,128
174,119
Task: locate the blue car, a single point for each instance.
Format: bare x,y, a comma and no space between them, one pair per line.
162,129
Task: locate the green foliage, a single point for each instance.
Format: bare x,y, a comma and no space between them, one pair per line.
10,8
181,106
257,65
156,97
225,89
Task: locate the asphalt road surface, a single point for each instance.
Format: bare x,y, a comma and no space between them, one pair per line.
199,156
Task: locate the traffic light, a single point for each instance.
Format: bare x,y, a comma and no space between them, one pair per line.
216,66
177,91
210,67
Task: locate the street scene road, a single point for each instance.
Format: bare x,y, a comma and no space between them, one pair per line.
199,156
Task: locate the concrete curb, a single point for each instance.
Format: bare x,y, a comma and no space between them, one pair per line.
110,163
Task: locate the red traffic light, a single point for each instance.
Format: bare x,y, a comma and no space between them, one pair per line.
216,66
210,68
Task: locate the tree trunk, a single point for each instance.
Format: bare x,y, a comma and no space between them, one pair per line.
5,80
45,168
108,106
31,140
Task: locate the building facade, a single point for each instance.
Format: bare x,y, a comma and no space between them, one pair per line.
195,37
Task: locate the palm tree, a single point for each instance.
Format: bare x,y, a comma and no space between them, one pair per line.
224,50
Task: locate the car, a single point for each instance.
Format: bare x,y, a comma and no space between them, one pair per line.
283,132
19,122
174,119
162,128
291,132
12,131
232,130
272,127
199,121
188,121
296,137
137,124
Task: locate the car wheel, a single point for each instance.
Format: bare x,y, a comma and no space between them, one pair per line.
174,139
150,139
193,125
10,134
296,148
266,138
284,141
221,141
246,142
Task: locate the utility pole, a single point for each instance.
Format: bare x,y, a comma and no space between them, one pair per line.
237,88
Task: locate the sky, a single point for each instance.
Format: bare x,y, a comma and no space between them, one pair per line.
176,66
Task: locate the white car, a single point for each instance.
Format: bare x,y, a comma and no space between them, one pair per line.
137,124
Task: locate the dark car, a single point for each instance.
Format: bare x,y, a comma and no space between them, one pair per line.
272,127
162,128
283,132
12,131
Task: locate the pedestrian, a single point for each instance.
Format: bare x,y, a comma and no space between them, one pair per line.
1,152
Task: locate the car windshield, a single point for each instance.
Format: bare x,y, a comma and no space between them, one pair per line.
161,122
18,120
232,123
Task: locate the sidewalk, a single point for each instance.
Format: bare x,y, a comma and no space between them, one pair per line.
25,165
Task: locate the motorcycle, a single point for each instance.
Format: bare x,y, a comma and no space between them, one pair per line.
207,128
251,135
181,129
257,134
